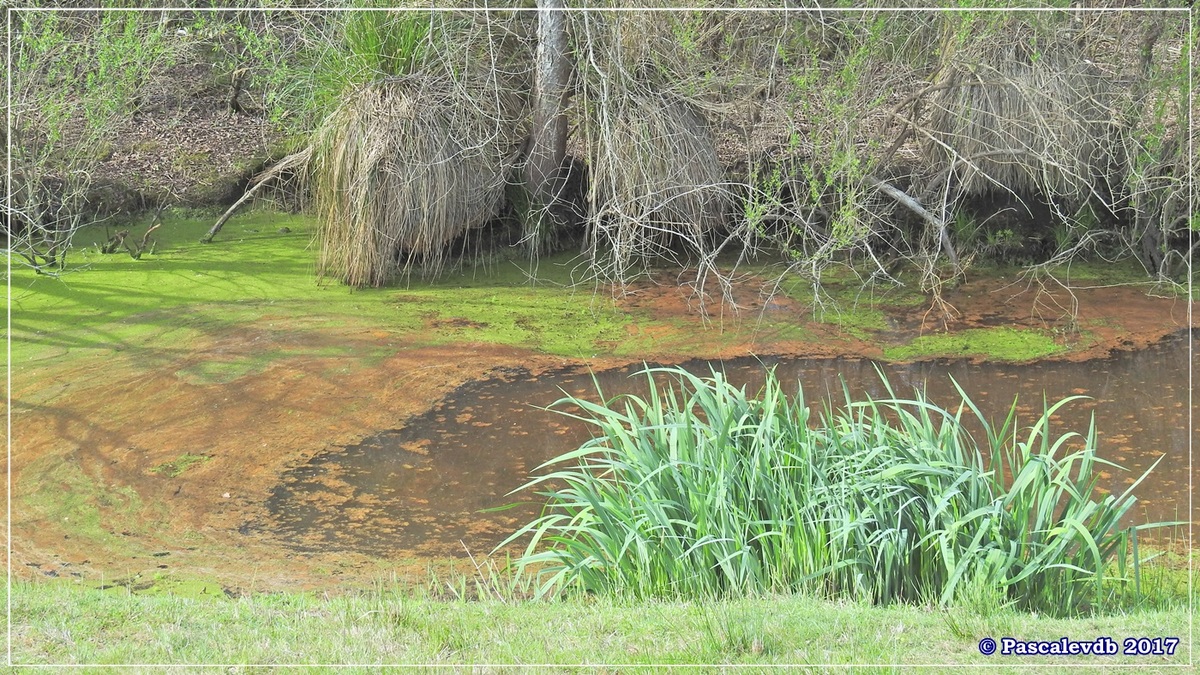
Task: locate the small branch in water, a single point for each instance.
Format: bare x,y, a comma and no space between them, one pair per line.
136,253
256,184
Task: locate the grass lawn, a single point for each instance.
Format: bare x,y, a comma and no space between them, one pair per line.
61,623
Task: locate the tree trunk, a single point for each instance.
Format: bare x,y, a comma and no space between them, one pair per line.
548,142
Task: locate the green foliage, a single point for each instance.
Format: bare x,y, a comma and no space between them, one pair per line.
385,43
1158,171
93,69
701,490
830,81
74,78
282,71
303,71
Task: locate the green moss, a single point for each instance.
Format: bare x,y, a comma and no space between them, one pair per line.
549,320
1080,273
146,146
184,462
1005,344
191,588
256,284
186,293
860,322
161,584
850,300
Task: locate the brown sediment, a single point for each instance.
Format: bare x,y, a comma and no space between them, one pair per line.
1089,322
114,420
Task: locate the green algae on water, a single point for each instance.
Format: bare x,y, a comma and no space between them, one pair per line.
1004,344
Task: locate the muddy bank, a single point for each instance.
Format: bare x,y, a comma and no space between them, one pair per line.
100,490
153,458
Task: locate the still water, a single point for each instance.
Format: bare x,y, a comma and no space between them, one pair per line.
419,490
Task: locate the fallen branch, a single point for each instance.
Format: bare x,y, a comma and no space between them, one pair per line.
293,160
136,253
114,242
915,206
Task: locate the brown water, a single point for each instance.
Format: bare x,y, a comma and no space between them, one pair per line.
419,490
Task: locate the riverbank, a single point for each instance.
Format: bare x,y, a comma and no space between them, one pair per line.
157,402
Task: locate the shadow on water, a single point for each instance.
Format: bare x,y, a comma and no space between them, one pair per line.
419,490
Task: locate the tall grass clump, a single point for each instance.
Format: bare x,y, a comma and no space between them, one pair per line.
422,145
699,489
359,47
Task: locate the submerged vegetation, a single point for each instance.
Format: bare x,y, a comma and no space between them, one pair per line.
701,490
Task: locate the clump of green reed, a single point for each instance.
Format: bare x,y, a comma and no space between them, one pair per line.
699,489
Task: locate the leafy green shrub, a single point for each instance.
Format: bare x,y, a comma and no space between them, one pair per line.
702,490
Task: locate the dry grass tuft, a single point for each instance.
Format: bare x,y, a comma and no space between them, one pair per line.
405,166
1027,114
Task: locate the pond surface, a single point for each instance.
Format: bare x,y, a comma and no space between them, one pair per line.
419,490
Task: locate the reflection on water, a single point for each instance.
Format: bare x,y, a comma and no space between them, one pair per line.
420,489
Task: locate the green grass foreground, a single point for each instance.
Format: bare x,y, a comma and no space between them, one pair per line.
62,623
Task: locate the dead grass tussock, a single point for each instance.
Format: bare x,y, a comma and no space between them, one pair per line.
1027,113
403,167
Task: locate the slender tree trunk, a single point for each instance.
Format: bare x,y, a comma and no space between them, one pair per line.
548,144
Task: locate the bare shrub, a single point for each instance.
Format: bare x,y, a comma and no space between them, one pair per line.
75,76
656,178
